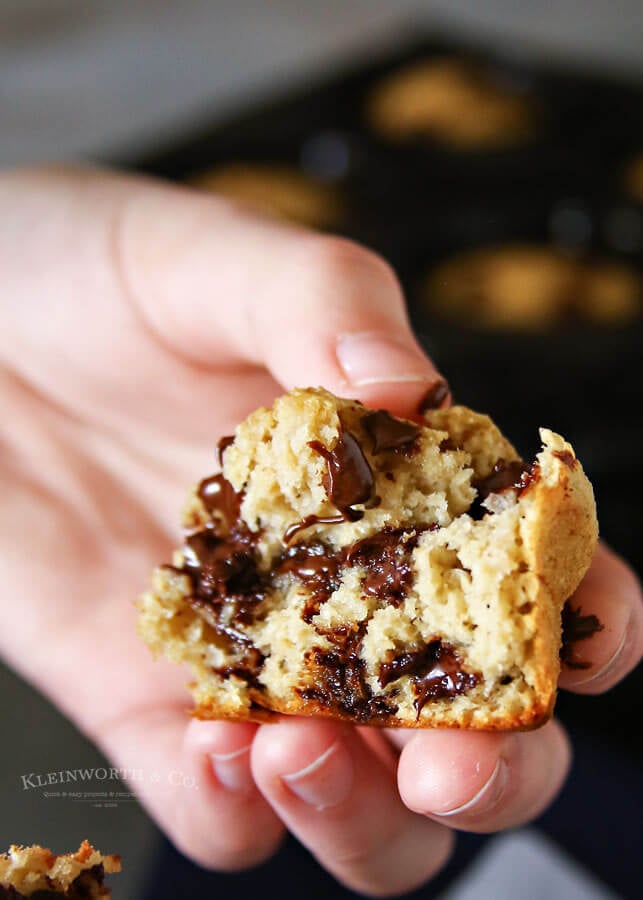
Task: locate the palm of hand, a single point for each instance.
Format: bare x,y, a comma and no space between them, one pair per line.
100,441
89,509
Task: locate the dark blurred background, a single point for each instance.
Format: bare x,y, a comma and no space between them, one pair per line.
494,155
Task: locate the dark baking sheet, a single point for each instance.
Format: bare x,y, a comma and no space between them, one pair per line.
417,204
592,125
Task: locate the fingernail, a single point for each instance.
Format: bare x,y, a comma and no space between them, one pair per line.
487,797
435,396
325,782
372,358
232,770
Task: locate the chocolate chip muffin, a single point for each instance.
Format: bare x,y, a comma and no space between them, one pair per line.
37,872
277,191
455,102
532,288
349,564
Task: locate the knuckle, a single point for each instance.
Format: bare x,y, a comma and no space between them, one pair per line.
357,859
219,840
368,866
363,872
232,850
336,261
245,854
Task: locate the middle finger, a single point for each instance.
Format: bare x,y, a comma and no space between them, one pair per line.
340,799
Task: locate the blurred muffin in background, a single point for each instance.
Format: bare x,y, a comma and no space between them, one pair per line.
36,872
612,292
634,178
278,191
531,288
455,102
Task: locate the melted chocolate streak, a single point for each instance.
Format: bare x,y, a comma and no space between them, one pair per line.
228,587
222,446
348,479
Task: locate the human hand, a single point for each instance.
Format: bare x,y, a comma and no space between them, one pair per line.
139,323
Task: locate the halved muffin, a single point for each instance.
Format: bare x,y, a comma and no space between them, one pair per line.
349,564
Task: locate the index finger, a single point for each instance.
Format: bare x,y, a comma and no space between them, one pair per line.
169,269
303,305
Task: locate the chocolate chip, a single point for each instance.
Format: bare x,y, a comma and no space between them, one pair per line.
435,396
223,568
219,497
316,568
444,677
388,433
576,627
505,475
387,559
340,684
436,671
